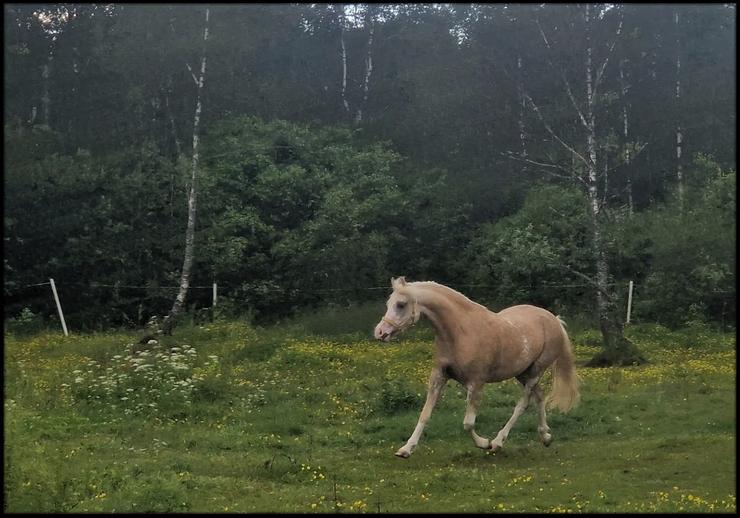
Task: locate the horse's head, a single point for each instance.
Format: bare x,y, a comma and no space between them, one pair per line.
402,312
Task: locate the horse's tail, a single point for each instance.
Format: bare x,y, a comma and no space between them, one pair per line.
564,394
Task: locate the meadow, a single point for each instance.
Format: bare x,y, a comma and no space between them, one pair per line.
304,416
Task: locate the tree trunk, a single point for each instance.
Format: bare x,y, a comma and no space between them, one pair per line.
368,66
46,98
617,349
625,134
679,134
192,197
522,105
344,59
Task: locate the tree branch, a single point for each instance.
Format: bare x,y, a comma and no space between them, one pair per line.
589,280
195,79
563,77
568,176
551,132
623,162
608,54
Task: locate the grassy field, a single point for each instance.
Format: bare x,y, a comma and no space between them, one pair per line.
305,417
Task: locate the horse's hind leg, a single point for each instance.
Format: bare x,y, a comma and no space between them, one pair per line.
471,408
542,428
519,409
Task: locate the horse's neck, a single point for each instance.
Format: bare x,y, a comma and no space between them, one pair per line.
443,307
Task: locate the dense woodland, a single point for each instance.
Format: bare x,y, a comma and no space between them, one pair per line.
545,154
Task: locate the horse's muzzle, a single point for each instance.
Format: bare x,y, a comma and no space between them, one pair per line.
383,332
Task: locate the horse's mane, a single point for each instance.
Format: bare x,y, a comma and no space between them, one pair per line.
450,293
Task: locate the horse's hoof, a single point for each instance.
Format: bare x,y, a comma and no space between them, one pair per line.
547,440
402,453
494,447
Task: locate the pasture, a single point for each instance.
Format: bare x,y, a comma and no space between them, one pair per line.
305,417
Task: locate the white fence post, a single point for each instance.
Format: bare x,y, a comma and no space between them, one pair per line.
629,302
215,289
59,306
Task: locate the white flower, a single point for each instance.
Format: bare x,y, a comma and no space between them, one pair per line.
78,379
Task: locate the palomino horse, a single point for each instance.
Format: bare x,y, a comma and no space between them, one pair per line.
475,346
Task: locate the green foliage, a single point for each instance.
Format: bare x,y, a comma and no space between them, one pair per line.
303,205
293,215
25,323
692,253
523,257
84,220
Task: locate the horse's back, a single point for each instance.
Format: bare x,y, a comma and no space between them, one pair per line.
527,313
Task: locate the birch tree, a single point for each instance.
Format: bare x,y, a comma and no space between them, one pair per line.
617,349
364,91
342,22
522,106
189,253
679,133
370,23
625,131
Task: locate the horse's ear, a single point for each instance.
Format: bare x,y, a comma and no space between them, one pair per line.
398,282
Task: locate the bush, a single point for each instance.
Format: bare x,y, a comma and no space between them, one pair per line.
396,396
523,256
692,256
154,381
26,322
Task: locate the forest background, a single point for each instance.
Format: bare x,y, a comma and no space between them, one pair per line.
511,151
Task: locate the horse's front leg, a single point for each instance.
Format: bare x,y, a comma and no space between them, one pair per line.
437,382
471,409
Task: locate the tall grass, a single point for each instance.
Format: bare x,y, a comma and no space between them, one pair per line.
305,416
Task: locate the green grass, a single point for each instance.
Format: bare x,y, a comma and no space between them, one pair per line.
305,417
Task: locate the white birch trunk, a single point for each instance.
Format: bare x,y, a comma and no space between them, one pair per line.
192,196
522,106
344,60
45,98
602,268
368,70
625,133
617,349
625,116
679,134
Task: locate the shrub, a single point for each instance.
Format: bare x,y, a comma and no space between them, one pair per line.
25,323
147,382
396,396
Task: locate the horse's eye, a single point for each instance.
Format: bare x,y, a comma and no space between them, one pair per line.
400,305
